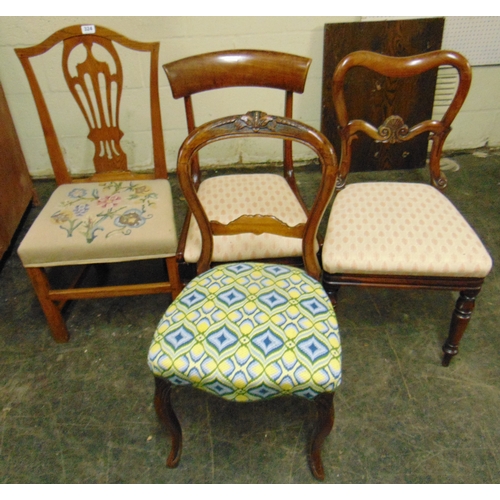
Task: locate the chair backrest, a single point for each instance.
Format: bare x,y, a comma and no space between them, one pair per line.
239,68
260,125
394,129
97,88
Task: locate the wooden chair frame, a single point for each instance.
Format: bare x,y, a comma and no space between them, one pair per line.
395,130
238,68
52,301
255,124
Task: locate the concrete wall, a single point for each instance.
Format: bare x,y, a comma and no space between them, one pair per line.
478,123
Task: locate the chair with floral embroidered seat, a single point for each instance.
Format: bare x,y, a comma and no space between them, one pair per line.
114,215
250,331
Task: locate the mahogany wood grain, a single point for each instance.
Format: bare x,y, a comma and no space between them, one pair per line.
257,224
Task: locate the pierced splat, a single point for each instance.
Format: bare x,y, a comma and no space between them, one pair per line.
97,89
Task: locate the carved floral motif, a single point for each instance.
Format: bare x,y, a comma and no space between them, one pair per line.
256,120
393,130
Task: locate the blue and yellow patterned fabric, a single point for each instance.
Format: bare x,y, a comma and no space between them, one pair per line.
250,331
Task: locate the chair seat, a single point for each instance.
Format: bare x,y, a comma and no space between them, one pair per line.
225,198
250,331
401,229
98,222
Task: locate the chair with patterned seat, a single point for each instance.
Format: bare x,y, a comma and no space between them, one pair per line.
264,193
398,234
250,331
115,215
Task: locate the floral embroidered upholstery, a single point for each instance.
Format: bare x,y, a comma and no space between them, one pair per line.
250,331
227,197
88,222
399,228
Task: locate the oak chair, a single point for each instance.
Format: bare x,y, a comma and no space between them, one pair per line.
250,331
242,68
114,215
402,235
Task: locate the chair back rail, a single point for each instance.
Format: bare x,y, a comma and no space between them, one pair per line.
97,89
394,129
239,68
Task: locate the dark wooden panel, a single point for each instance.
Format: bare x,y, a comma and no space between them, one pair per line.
372,97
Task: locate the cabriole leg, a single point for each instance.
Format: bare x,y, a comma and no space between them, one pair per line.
167,416
324,425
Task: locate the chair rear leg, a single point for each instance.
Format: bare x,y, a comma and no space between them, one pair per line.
174,276
332,289
167,416
324,425
52,312
459,321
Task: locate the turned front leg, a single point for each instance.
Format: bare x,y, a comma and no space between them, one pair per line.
459,321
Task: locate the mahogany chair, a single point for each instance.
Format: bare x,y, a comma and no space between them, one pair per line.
249,331
265,193
114,215
402,235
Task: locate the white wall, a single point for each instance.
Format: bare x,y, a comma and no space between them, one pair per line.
477,124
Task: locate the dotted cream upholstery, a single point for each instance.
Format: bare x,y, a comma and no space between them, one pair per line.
227,197
98,222
398,229
250,331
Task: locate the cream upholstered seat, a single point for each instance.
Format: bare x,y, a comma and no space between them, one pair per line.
249,331
115,215
401,228
227,197
397,234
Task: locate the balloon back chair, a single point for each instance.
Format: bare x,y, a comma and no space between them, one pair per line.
114,215
242,68
398,234
249,331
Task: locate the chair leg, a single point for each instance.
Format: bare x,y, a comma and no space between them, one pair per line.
459,321
174,276
52,312
169,419
333,292
324,425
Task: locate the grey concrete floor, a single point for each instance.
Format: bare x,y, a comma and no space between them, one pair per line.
82,412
